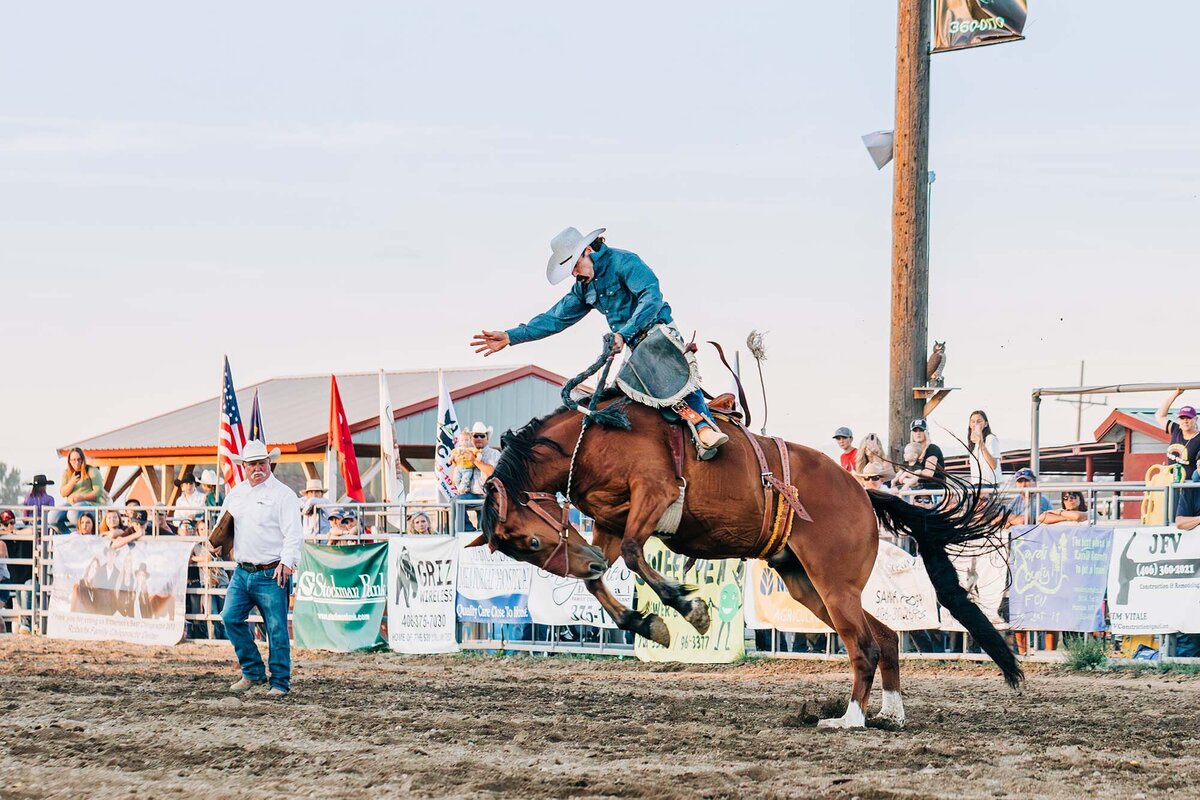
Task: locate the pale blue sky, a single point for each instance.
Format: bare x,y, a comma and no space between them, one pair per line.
378,181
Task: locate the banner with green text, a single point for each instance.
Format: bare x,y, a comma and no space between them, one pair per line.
719,585
341,594
959,24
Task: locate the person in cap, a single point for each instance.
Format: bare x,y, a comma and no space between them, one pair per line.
266,547
927,464
314,509
1018,509
191,502
845,440
347,531
1184,432
626,292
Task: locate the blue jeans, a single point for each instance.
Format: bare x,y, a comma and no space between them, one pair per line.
259,590
60,518
696,402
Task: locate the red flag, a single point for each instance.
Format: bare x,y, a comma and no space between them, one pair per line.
341,442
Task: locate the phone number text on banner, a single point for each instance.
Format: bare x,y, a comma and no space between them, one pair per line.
1059,576
1154,581
423,572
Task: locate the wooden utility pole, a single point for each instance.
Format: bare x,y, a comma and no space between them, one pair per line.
910,226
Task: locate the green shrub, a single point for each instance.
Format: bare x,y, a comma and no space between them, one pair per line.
1085,652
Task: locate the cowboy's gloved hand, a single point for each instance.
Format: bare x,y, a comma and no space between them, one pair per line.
618,343
488,342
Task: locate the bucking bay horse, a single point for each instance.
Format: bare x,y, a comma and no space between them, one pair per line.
627,475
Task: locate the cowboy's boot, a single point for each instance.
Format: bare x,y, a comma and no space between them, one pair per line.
710,437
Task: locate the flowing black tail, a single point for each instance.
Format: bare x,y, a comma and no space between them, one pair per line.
969,520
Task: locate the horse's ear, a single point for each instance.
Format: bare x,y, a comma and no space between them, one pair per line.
478,541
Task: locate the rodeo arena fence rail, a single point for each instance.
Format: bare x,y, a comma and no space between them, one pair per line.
1125,574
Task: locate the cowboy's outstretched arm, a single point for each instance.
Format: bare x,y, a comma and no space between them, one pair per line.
642,281
564,314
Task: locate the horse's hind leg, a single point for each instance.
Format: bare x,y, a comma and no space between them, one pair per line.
800,587
650,626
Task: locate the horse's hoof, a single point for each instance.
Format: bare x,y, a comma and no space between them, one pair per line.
657,631
887,722
853,718
697,615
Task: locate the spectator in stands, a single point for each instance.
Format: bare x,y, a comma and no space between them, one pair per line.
845,440
8,527
314,509
37,497
872,451
85,524
927,465
349,531
983,452
1018,509
110,523
335,525
1185,431
131,505
164,525
418,523
208,487
191,502
485,465
81,487
905,477
872,476
1074,509
1187,518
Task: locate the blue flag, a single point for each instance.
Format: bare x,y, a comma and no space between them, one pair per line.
256,426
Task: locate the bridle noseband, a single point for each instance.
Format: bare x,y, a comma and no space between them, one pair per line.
557,563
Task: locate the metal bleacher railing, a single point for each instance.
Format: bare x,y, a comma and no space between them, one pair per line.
30,556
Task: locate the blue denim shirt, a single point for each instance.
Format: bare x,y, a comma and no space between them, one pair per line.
624,289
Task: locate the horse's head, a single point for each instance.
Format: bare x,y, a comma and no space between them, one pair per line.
533,527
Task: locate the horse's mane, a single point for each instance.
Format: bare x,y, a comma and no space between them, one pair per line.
518,453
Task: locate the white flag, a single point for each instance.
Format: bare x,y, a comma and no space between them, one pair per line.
879,145
389,457
443,442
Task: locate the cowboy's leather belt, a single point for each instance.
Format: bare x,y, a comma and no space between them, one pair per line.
258,567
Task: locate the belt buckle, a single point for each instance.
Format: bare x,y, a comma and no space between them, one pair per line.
766,478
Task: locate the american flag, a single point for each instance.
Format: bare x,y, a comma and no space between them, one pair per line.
230,436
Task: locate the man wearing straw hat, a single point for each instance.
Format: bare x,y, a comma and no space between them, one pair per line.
266,547
626,292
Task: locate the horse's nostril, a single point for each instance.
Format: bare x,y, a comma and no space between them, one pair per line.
597,568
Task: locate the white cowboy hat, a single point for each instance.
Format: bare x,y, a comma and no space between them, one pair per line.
256,451
314,485
479,427
566,248
208,478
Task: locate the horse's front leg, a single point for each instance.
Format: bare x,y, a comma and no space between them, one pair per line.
649,626
647,504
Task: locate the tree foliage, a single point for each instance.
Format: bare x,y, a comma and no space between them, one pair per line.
10,485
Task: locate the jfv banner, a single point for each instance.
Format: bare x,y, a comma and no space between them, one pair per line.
719,586
958,24
898,594
1059,576
491,586
341,594
423,572
566,601
985,577
1154,581
132,594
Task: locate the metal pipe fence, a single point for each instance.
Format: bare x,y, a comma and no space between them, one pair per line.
30,551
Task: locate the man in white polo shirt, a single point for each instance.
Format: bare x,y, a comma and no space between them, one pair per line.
266,545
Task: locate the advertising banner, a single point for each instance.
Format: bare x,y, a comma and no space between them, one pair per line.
898,594
1059,576
132,594
491,586
566,601
719,586
341,594
1154,581
423,572
985,577
959,24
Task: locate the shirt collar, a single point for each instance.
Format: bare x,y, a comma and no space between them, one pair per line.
600,259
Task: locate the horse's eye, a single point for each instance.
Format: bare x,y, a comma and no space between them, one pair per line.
534,544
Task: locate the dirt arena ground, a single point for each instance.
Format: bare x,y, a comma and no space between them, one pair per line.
108,720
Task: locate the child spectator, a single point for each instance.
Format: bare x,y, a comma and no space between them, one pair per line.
463,457
983,452
1074,509
845,440
872,477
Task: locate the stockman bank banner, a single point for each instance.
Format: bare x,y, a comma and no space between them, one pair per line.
491,586
341,594
132,594
423,571
985,577
898,594
1059,576
1154,581
719,585
959,24
566,601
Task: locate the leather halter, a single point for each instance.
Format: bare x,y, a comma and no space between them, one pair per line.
557,564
